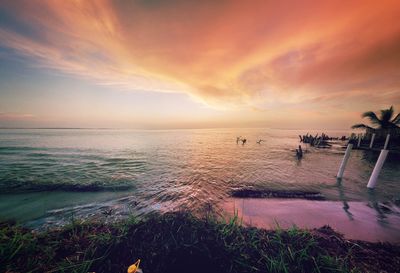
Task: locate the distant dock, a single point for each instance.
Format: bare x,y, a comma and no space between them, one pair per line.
361,142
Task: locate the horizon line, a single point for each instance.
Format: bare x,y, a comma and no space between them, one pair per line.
154,129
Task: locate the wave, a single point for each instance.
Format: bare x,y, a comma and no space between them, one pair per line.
19,148
35,187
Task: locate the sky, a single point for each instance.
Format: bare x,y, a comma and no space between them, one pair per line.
155,64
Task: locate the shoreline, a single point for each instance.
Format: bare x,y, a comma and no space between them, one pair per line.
179,242
260,208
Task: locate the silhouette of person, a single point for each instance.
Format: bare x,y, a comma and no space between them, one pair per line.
299,152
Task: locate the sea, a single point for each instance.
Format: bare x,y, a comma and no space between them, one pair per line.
50,176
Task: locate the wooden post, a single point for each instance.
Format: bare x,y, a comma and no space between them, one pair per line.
359,141
344,161
377,169
386,142
372,141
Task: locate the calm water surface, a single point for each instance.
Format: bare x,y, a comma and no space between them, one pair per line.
48,176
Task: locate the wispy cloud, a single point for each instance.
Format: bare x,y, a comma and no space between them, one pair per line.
15,116
257,53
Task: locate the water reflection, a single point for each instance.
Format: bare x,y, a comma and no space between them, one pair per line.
342,197
373,202
370,156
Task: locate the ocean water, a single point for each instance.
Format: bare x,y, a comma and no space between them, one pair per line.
48,176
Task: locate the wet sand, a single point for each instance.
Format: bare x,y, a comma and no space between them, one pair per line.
355,220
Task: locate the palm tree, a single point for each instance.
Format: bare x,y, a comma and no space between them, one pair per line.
385,120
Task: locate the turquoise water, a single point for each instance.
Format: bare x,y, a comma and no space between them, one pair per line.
49,176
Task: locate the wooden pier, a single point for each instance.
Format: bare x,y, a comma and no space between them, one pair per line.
361,143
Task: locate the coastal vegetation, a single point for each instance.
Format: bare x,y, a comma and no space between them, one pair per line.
180,242
383,124
385,120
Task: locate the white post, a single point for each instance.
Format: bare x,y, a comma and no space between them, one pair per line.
377,169
344,161
372,140
359,141
386,142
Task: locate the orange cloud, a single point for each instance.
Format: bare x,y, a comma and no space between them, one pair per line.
258,53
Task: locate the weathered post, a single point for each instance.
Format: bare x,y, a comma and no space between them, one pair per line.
386,142
377,169
359,141
344,161
372,141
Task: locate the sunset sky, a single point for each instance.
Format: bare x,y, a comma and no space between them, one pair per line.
197,64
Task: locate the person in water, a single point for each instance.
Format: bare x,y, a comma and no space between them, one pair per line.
299,152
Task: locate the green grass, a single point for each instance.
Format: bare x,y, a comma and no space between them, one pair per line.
180,242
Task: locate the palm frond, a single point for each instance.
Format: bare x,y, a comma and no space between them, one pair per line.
396,119
386,114
360,126
372,117
384,121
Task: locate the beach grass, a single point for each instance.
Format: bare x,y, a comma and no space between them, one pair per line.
181,242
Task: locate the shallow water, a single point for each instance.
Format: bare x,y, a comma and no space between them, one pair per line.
367,221
49,176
